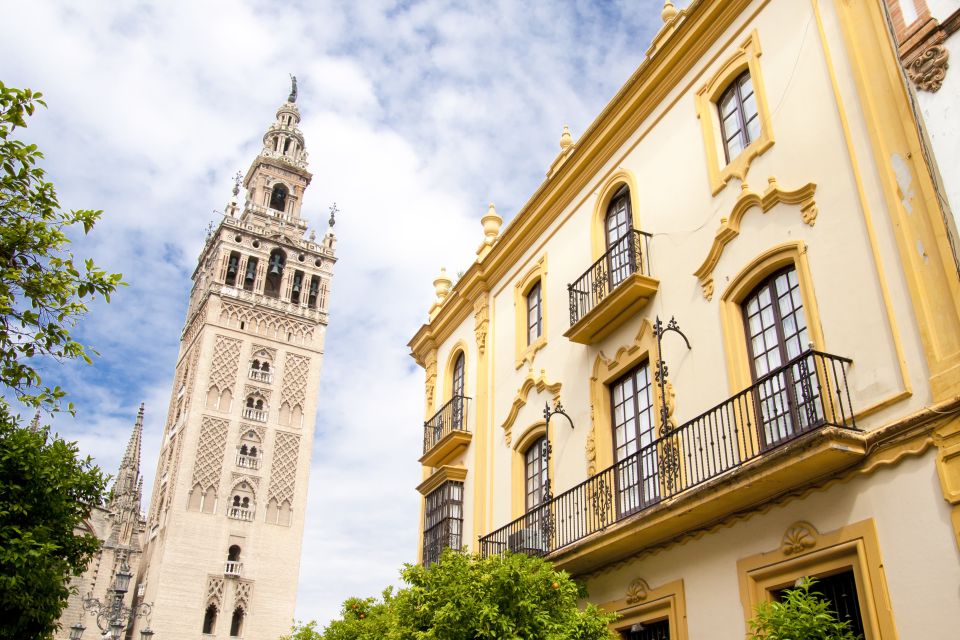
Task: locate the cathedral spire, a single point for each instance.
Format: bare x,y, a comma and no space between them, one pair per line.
128,476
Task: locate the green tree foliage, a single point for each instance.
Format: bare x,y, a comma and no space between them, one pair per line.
464,597
46,490
801,615
43,288
45,493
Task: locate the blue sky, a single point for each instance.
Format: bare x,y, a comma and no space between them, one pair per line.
416,115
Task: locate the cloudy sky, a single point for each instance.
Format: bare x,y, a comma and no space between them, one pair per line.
416,115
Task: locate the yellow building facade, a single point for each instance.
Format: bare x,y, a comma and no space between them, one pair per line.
736,287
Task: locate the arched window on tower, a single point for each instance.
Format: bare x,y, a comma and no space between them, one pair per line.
236,622
278,260
233,567
250,275
278,197
233,265
210,620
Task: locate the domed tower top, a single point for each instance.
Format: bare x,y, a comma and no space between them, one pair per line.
283,141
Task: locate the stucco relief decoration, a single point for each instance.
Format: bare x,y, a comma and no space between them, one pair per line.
431,378
637,591
226,361
264,322
250,390
256,428
748,199
192,375
244,591
237,478
481,319
591,450
541,384
283,472
214,591
213,440
193,327
798,537
929,68
293,392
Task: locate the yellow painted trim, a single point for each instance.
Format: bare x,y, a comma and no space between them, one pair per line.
719,171
746,200
731,318
521,399
442,474
599,448
598,228
947,439
644,604
518,505
806,552
867,214
917,221
481,421
538,273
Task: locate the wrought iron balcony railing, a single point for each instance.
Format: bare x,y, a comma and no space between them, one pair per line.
806,394
451,417
628,255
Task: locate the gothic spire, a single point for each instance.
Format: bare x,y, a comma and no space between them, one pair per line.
128,476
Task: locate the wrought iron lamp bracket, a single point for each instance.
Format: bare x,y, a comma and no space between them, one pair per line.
662,371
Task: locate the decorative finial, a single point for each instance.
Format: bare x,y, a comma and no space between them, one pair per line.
565,138
669,11
491,225
333,215
293,89
442,285
237,179
313,235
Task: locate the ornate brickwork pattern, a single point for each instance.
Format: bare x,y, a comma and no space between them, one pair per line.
213,440
193,327
264,322
250,390
214,592
295,371
243,594
258,429
283,473
226,361
237,478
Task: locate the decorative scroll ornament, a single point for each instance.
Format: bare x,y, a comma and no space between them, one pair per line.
528,385
798,537
928,69
637,591
481,319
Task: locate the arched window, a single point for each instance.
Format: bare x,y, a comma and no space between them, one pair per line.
618,223
233,553
776,330
236,501
534,314
210,620
255,365
250,401
250,275
739,118
243,450
275,265
236,622
278,197
265,367
233,266
535,473
458,387
259,405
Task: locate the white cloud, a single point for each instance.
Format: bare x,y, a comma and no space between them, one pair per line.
415,116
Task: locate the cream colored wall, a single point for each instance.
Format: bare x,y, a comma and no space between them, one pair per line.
920,559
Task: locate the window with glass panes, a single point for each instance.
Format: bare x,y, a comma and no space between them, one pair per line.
535,474
840,590
534,316
443,520
786,397
739,119
618,224
657,630
458,386
634,430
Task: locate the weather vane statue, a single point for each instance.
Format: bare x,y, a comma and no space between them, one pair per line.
293,89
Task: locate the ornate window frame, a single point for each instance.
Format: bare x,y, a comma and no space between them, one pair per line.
598,229
804,551
459,347
518,503
719,171
538,273
731,316
641,603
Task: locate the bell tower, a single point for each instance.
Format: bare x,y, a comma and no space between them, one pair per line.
225,524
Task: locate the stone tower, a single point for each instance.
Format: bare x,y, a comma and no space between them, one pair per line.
119,526
226,519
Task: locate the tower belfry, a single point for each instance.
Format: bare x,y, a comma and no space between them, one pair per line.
225,524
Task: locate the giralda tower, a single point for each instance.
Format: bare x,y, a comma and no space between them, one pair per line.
226,519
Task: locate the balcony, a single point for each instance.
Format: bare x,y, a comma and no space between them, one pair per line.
248,462
257,415
240,513
791,427
232,569
446,434
261,376
614,288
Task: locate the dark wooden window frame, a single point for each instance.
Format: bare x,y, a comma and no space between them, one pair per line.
534,313
735,88
643,496
535,470
441,526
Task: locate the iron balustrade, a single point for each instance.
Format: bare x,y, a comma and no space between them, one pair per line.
451,417
624,258
806,394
